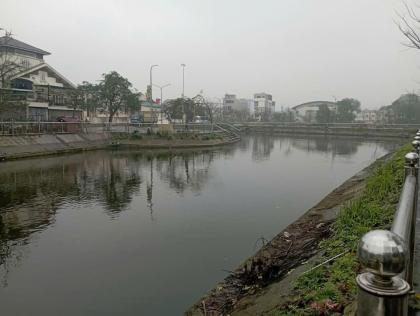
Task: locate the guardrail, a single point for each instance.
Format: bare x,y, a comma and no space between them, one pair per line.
326,125
388,256
37,128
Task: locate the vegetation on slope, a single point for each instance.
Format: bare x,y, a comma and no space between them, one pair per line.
329,288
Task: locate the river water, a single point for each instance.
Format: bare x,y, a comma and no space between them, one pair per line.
132,233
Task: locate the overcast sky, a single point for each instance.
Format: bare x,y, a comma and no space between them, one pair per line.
297,50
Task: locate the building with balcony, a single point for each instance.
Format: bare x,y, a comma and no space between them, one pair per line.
45,92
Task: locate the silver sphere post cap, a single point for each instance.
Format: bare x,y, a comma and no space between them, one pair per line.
383,253
411,158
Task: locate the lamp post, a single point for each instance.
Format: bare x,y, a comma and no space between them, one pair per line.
161,97
183,87
183,79
151,81
161,88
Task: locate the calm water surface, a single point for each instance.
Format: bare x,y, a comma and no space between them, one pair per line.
129,233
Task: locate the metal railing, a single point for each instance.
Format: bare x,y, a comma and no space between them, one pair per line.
14,128
388,256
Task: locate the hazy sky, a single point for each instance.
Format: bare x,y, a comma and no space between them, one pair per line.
297,50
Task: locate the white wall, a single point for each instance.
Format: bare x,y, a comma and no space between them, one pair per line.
41,78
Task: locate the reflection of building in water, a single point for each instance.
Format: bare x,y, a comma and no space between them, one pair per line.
335,146
262,147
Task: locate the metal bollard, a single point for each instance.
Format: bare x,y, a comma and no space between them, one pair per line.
416,146
411,161
380,290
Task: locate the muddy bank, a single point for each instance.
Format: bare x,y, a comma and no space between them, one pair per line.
258,285
16,147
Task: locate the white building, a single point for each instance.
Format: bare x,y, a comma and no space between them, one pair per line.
264,106
367,116
43,88
232,103
306,112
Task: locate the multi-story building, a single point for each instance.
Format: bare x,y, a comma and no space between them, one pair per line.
264,106
367,116
45,92
232,103
229,102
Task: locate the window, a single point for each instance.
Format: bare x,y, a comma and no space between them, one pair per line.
24,63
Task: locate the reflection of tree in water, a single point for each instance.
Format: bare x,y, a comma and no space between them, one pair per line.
116,185
262,146
186,170
28,203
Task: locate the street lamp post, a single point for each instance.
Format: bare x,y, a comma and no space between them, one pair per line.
183,87
151,81
161,88
161,97
183,79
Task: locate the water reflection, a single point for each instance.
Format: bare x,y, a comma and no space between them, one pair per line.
32,192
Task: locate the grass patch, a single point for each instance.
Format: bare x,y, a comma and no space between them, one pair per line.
329,288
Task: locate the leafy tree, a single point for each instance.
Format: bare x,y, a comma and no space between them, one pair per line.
287,116
347,109
175,108
406,109
324,114
114,94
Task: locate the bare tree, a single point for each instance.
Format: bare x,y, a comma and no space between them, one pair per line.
409,25
12,105
8,61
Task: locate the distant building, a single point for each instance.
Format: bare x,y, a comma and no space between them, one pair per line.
306,112
264,106
44,89
367,116
235,109
229,102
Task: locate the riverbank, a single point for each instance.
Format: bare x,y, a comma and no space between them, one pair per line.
281,278
348,130
16,147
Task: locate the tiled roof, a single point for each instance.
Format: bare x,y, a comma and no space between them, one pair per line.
6,41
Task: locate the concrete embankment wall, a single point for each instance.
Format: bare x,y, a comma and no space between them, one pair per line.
13,147
386,132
